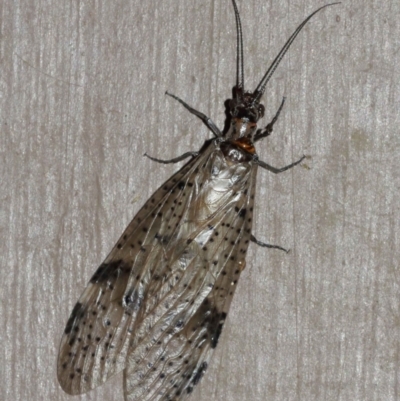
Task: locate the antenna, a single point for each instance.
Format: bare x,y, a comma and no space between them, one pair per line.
239,50
259,91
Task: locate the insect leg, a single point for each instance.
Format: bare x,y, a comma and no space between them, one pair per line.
206,120
174,160
277,170
262,133
264,245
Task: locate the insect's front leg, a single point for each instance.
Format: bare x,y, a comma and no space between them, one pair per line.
262,133
174,160
206,120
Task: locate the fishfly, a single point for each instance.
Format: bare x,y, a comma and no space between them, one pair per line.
155,307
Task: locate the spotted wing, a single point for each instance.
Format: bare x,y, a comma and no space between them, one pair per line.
170,365
174,350
156,279
98,333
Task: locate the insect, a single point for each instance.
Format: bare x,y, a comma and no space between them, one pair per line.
155,308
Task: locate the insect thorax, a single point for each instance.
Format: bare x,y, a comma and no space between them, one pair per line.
239,144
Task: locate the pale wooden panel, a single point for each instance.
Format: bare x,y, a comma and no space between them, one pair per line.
82,98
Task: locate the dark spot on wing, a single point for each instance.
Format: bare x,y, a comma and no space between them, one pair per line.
217,320
112,270
199,374
164,239
76,314
132,300
211,320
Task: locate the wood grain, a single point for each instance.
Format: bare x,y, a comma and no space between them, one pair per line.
82,99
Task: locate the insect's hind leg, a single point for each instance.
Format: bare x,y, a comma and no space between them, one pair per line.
263,133
264,245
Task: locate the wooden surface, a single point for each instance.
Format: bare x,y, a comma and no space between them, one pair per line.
82,98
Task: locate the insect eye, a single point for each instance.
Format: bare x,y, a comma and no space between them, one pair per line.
233,107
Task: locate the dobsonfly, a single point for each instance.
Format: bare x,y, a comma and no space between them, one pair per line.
156,306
